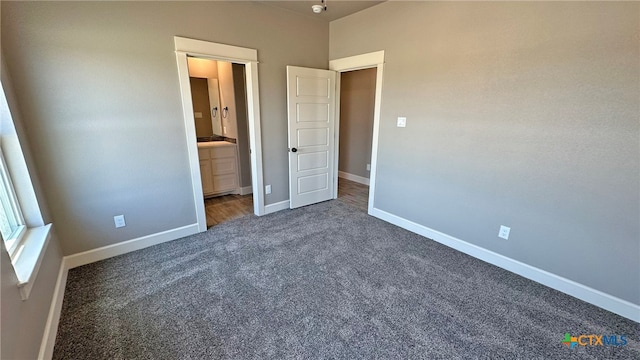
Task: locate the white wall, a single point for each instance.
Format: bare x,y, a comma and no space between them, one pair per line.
518,114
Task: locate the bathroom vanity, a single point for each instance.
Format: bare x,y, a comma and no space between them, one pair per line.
218,167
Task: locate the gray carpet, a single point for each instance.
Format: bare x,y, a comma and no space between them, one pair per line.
322,282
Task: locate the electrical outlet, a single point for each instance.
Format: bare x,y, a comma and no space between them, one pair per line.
402,121
504,232
267,189
368,167
119,221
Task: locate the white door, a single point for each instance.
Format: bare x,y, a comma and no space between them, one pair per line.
311,114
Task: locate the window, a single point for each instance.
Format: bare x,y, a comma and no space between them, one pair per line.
22,228
12,226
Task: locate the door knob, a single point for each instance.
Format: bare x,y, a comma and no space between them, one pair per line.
294,150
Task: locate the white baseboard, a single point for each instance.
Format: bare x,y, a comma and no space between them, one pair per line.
51,327
105,252
570,287
271,208
356,178
246,190
90,256
585,293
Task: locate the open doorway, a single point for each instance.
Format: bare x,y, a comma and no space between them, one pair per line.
357,106
218,95
353,187
248,59
314,131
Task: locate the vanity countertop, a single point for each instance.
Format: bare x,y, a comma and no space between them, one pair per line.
211,144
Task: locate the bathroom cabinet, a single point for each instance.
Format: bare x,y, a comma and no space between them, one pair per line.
218,167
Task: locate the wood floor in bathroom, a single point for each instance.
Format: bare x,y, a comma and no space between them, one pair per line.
228,207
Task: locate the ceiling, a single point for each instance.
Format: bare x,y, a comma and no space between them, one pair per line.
336,9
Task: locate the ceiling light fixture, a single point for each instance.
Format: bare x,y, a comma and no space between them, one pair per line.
319,8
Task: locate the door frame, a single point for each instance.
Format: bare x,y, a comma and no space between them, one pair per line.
351,63
249,58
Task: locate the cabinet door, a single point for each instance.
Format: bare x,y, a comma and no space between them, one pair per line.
206,177
223,152
226,182
223,166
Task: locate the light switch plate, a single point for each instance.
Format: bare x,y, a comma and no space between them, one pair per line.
402,121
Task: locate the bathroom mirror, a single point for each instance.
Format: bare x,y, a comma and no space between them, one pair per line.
214,106
214,86
205,96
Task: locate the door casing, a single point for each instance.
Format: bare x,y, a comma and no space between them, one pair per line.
359,62
249,58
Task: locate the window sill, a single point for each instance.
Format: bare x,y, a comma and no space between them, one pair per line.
28,261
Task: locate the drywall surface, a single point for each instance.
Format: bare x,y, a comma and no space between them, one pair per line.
202,68
518,114
242,125
98,85
22,322
357,98
227,100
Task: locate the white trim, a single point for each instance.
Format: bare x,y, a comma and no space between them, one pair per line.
271,208
570,287
336,136
352,177
376,134
13,213
91,256
192,142
246,190
215,50
27,263
53,319
222,52
585,293
357,62
105,252
255,137
364,61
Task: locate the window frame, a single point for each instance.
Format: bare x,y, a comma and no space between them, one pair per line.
14,243
28,248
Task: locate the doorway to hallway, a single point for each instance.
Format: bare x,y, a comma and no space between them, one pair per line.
357,106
